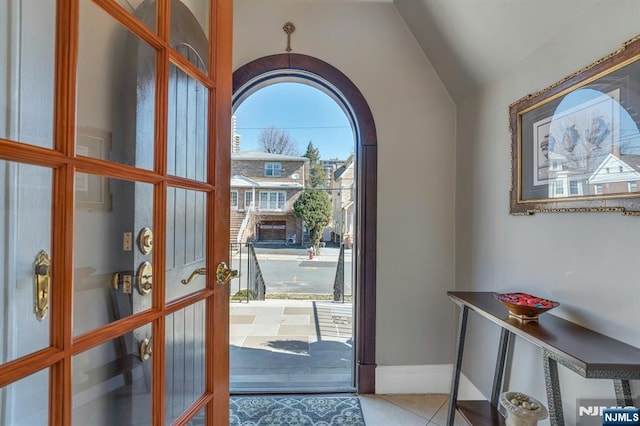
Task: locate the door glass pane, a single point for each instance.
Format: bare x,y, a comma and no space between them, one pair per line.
112,385
143,10
25,231
185,367
186,213
187,126
116,91
198,419
190,30
109,215
26,402
27,31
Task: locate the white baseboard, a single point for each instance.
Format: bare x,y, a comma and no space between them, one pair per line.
422,379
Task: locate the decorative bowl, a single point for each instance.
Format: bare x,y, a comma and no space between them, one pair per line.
525,306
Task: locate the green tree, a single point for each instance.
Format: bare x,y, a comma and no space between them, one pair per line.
314,207
317,174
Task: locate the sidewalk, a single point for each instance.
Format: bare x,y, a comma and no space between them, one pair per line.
291,345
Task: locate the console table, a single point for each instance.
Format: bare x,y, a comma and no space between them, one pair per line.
592,355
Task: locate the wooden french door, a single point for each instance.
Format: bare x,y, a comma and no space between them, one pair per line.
114,201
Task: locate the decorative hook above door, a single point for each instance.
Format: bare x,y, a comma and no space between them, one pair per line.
289,28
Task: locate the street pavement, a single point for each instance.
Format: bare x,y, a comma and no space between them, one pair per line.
288,269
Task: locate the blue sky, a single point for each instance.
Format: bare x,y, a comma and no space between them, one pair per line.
305,112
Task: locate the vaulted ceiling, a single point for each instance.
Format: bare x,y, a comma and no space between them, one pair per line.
472,42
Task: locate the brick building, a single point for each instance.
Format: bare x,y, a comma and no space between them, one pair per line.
264,187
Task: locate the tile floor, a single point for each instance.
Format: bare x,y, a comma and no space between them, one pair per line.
406,410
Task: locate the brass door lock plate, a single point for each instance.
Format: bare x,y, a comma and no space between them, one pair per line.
145,278
145,240
42,283
224,274
122,278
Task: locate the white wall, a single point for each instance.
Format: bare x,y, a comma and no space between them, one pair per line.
415,121
587,262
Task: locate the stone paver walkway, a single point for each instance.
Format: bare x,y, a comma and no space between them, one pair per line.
291,345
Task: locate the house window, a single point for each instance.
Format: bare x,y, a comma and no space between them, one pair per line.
597,189
273,169
234,200
272,200
574,188
555,165
559,188
248,199
632,186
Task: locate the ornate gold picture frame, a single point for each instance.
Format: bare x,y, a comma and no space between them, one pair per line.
576,144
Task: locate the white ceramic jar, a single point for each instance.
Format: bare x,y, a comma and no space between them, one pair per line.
522,409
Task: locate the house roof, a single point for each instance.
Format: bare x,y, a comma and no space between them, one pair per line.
265,156
243,182
343,168
614,169
239,181
631,159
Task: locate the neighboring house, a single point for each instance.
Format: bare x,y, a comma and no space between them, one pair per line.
264,187
343,201
330,167
565,181
616,175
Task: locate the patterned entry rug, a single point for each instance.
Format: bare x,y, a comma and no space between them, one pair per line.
295,411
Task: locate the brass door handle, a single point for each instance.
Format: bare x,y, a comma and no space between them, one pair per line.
146,349
194,274
42,282
224,274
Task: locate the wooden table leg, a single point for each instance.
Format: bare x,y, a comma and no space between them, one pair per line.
455,382
554,399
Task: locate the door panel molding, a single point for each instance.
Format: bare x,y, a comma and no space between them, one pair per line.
325,77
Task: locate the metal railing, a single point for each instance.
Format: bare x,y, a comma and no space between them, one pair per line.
338,282
248,216
250,285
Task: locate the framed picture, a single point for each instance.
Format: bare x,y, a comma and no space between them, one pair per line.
576,144
92,191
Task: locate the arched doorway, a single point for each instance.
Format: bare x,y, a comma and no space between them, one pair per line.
315,72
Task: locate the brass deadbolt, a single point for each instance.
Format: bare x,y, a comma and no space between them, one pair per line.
145,240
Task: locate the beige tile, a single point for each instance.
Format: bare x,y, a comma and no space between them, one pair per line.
253,329
283,319
298,311
296,330
236,342
258,310
242,319
440,419
380,412
424,405
295,344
